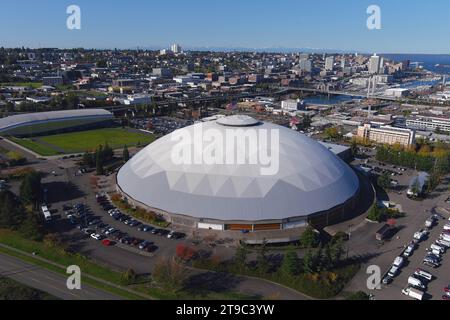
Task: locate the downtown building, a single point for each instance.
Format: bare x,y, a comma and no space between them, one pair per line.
387,135
425,123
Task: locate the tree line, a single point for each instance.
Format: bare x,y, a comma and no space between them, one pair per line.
21,213
101,156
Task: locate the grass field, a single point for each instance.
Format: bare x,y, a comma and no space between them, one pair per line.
78,142
34,146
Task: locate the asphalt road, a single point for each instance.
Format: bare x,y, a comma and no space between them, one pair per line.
48,281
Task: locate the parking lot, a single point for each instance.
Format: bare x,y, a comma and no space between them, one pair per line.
435,287
68,192
383,254
66,187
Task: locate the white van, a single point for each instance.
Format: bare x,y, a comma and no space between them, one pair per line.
435,252
416,282
422,273
438,248
393,271
398,262
447,226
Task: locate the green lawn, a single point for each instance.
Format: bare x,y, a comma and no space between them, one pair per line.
34,146
78,142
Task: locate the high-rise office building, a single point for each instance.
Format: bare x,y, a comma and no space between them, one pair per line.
176,48
329,63
374,64
303,56
305,65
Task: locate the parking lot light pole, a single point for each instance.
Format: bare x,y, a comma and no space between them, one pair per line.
349,237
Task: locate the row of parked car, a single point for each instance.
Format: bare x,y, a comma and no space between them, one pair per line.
127,220
94,227
418,282
117,215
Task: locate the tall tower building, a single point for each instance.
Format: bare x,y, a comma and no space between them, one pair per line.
374,64
176,48
329,63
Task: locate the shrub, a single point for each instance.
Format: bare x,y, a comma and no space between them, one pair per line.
376,214
184,252
128,277
358,296
116,197
310,238
16,159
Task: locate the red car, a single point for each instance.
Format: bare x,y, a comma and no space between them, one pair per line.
107,242
447,289
445,297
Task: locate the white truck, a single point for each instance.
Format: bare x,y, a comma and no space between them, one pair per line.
414,282
46,213
413,293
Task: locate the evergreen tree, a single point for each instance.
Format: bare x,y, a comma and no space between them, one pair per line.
308,262
354,148
31,227
309,238
240,257
108,153
11,213
31,189
99,162
291,262
262,262
336,251
384,181
125,154
88,159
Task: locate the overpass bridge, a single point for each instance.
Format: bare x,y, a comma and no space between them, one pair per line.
279,91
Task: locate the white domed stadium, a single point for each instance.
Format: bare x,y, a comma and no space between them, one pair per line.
308,182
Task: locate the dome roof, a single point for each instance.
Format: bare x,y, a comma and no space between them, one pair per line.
309,179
